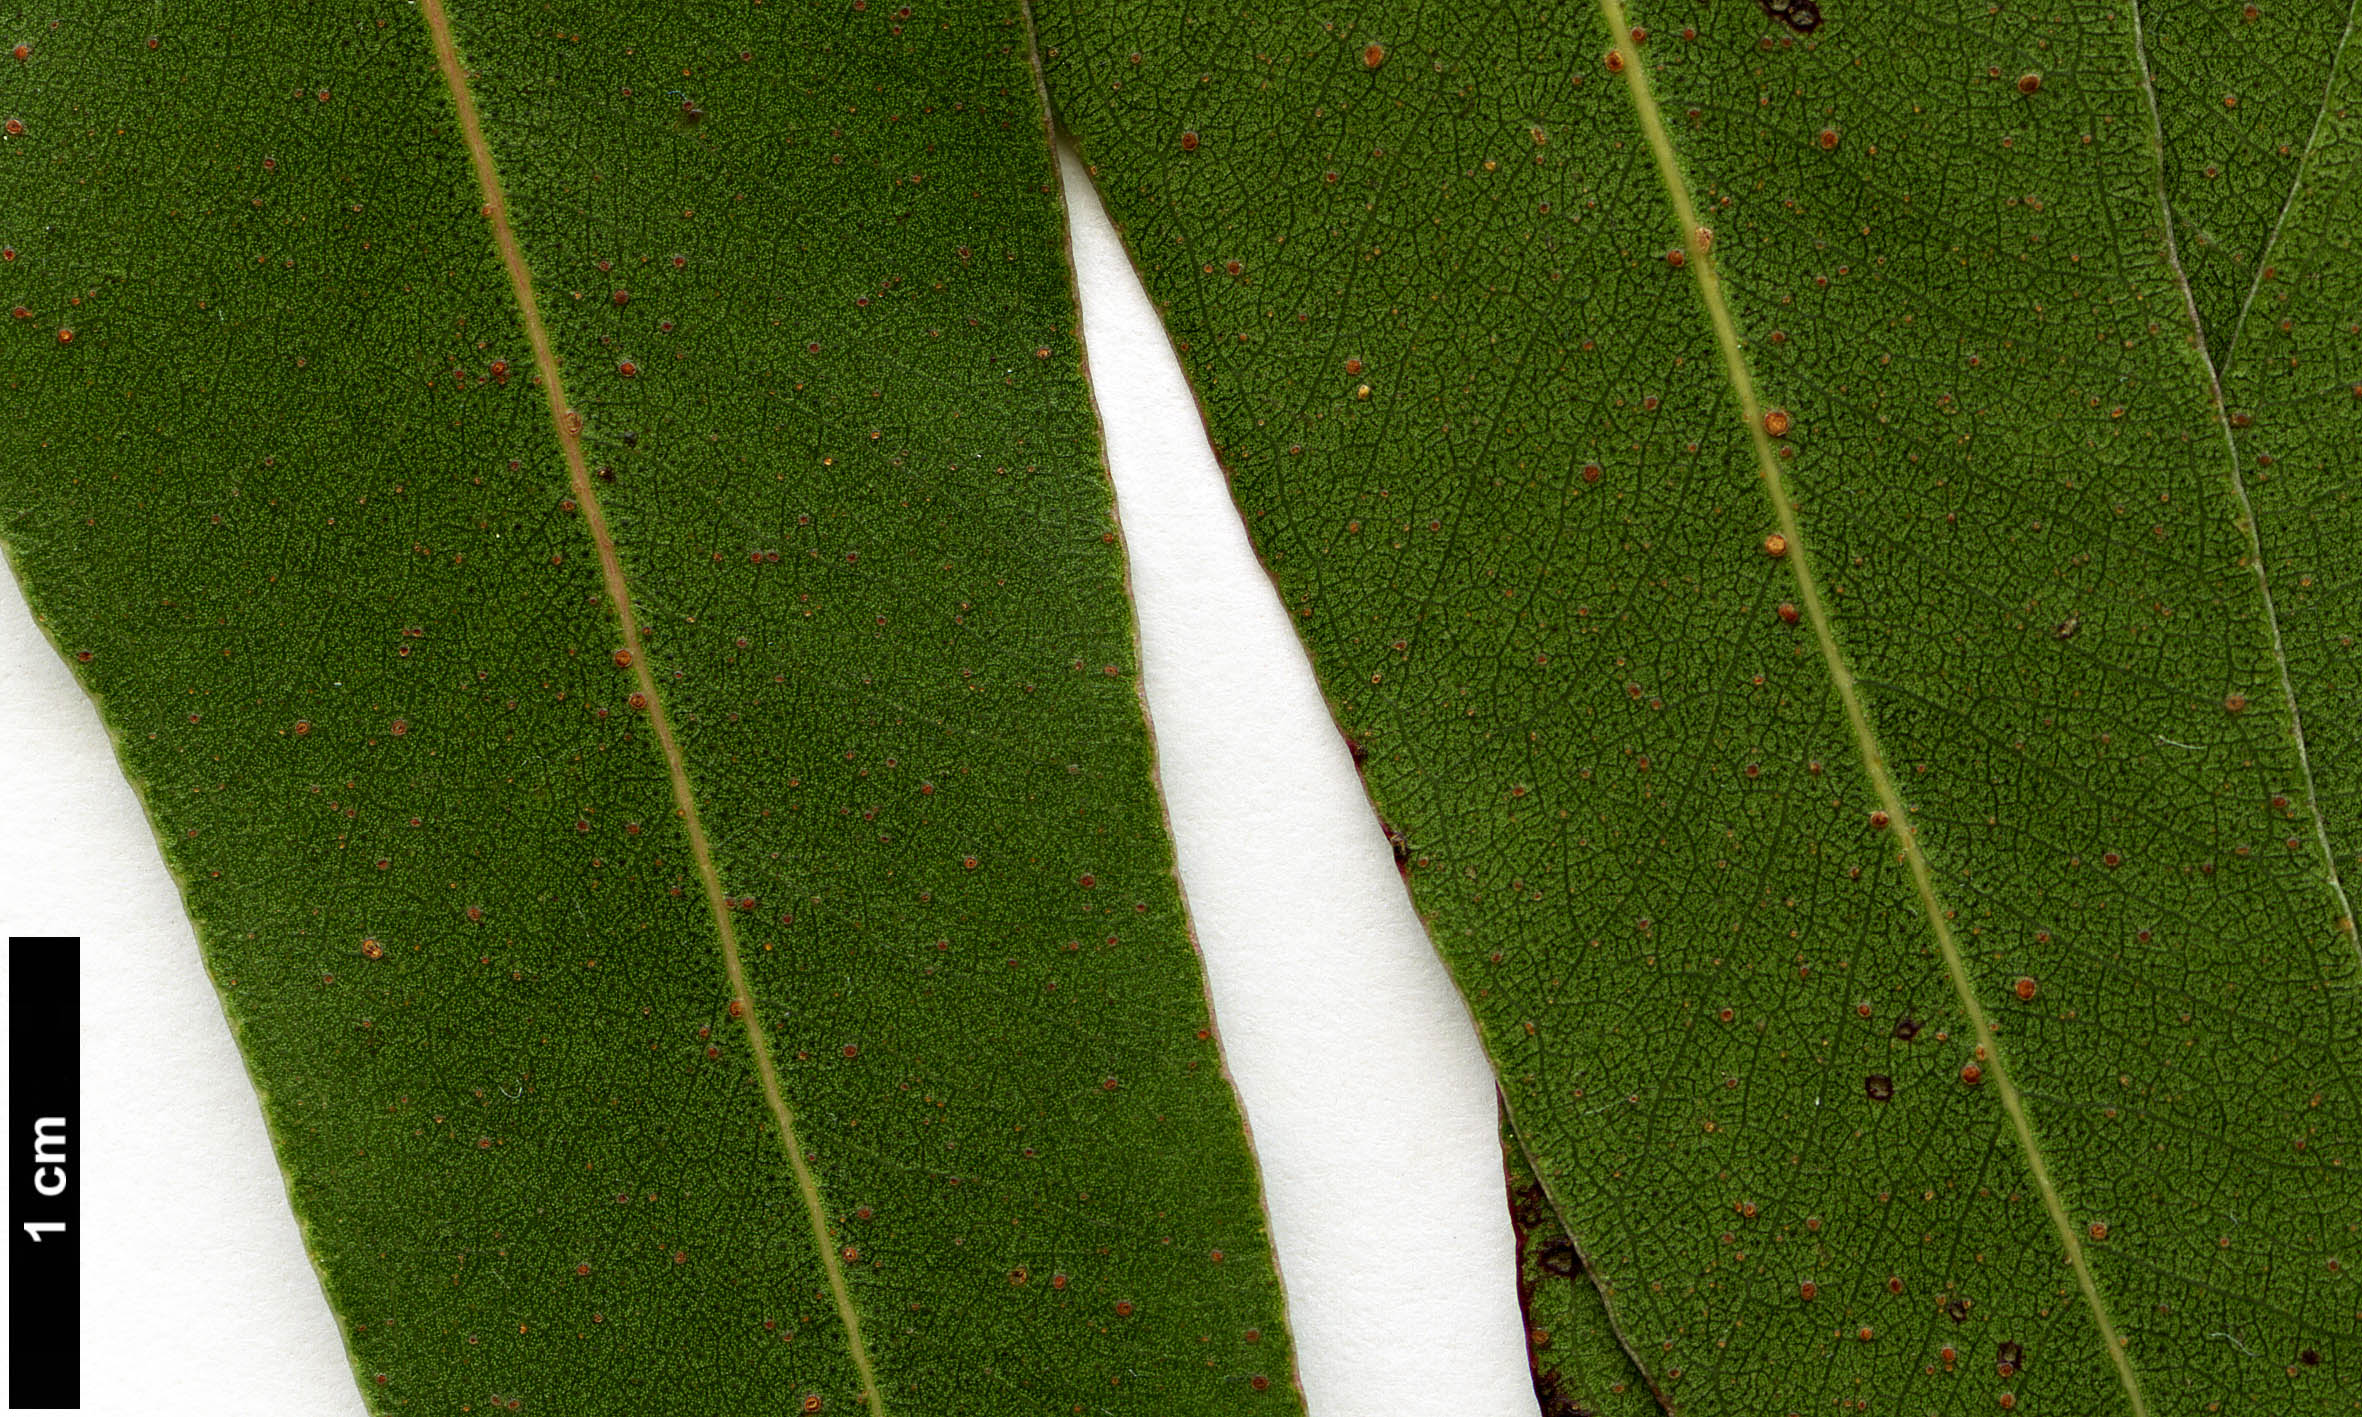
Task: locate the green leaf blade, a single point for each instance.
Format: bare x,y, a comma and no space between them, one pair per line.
309,518
1699,821
2291,391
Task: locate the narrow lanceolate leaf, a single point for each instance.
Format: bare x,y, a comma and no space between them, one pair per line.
1750,478
587,526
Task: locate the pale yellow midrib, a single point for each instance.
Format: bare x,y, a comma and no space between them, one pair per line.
619,592
1726,337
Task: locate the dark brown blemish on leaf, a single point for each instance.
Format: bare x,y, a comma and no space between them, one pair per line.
1907,1028
1879,1087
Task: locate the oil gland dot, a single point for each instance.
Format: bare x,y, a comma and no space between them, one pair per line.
1704,236
1776,423
1189,141
2098,1230
621,298
1894,1284
1788,612
1879,820
1591,472
852,1050
1828,139
638,701
22,52
398,727
1808,1291
1108,1085
2029,83
1676,259
2236,703
303,728
1123,1308
1864,1333
1972,1075
581,1269
371,949
16,127
1775,546
1615,61
628,369
812,1402
65,336
623,659
1259,1382
2025,988
20,312
1372,55
738,1008
1353,366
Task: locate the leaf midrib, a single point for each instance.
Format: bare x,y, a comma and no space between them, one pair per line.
618,590
1696,242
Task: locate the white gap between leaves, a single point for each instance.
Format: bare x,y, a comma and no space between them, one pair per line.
1370,1101
1371,1104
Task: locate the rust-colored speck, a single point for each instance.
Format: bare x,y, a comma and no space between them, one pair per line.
1372,55
371,949
1775,546
1615,61
1189,141
1879,820
1776,423
1808,1291
1972,1075
2025,987
2029,83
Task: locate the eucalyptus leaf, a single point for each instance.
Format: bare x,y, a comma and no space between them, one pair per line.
588,530
1752,481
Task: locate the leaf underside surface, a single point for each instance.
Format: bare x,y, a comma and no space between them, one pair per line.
1755,491
738,970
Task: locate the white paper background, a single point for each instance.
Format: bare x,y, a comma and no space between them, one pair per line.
1371,1105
